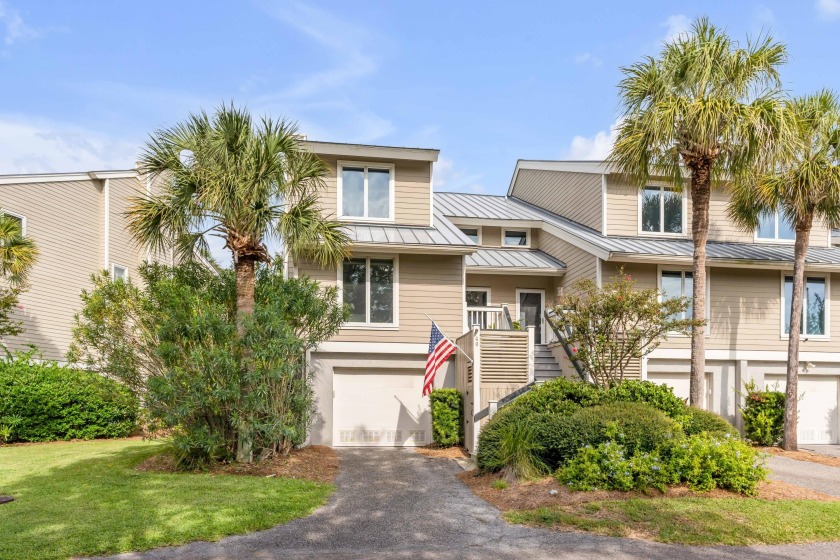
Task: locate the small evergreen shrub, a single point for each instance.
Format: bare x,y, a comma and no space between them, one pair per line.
447,417
660,397
554,396
553,430
46,402
602,467
764,415
697,420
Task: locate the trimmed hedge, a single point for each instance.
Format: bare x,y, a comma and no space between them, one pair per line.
697,421
659,397
447,417
45,402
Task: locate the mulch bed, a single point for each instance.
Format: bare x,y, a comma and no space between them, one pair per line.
442,452
315,462
803,455
523,495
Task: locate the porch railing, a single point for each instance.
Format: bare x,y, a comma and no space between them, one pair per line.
490,318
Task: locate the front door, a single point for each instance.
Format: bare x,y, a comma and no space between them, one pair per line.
529,310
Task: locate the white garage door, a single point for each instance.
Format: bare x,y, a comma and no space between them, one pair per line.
380,409
818,418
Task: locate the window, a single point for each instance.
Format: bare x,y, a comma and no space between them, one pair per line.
478,297
16,217
774,226
517,238
675,284
119,272
366,191
368,289
661,210
473,233
813,305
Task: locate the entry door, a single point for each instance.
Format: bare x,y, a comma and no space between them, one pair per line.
530,305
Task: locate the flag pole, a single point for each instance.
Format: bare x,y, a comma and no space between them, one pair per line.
467,356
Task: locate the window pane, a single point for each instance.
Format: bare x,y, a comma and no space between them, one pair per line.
671,286
766,225
476,298
786,231
353,192
379,192
650,209
472,233
381,291
354,289
516,238
119,273
688,291
815,311
673,212
788,300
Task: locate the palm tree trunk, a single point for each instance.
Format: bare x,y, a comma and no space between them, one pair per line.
701,186
800,251
246,280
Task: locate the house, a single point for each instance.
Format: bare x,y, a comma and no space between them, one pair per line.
484,268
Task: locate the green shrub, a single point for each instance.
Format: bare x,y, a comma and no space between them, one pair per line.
45,402
601,467
519,449
637,426
660,397
706,461
764,415
557,394
447,417
697,420
489,456
553,430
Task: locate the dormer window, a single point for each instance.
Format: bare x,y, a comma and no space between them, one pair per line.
772,226
516,238
366,191
473,233
661,211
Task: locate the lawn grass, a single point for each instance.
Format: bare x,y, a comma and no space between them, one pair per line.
86,498
695,521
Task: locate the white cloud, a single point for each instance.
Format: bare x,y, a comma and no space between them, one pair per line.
828,9
676,25
595,147
449,178
588,58
15,29
42,146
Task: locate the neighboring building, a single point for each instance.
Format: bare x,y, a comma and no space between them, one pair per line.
77,221
477,264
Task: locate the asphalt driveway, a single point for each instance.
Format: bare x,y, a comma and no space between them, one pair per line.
393,503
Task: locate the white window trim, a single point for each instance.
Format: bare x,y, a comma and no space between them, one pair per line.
827,276
776,239
477,228
665,268
477,289
20,217
542,309
340,191
368,325
661,188
527,237
114,267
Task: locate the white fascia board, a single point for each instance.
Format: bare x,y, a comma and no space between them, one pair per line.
724,263
494,222
515,271
123,174
373,347
421,249
748,355
370,151
578,242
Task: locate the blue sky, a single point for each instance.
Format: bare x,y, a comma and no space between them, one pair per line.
82,84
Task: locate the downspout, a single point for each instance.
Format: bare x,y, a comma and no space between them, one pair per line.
106,256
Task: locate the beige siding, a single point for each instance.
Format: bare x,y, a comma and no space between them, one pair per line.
412,190
503,287
428,284
577,196
623,215
579,263
491,236
123,250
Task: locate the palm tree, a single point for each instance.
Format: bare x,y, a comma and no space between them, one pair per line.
17,251
703,111
803,185
244,182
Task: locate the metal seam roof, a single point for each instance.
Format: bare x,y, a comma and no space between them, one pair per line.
513,258
443,232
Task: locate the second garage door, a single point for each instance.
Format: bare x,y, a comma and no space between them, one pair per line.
386,408
818,418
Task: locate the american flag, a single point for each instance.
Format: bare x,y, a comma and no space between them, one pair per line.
440,348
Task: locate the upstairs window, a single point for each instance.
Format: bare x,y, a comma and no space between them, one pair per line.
516,238
661,210
368,290
473,233
813,305
773,226
366,192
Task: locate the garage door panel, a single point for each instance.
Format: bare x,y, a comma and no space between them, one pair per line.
818,415
380,409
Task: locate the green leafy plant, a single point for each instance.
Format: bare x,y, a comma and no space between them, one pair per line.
519,450
500,484
764,415
43,401
696,421
605,466
554,396
660,397
447,417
